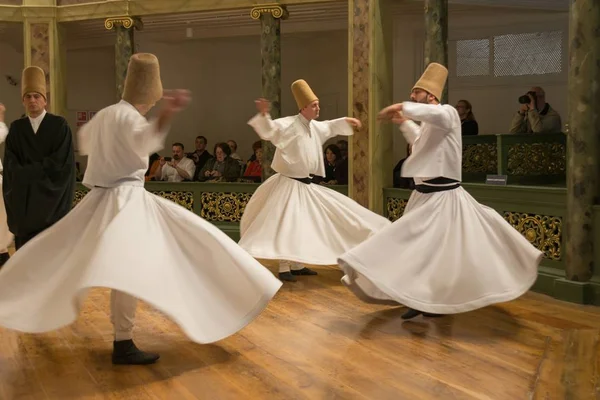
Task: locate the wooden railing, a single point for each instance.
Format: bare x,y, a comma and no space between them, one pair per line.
525,159
220,203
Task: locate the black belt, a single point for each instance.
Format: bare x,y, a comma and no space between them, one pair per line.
437,181
308,181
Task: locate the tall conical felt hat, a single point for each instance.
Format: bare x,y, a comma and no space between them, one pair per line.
433,80
142,83
33,79
303,93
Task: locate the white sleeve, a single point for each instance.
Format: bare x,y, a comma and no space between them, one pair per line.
146,138
410,130
433,114
270,130
190,168
337,127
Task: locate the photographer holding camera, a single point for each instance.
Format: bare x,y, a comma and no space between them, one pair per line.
535,115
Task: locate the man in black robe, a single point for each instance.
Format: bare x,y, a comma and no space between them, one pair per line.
39,164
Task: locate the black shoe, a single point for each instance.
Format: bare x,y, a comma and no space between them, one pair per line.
3,259
125,352
304,271
287,276
411,314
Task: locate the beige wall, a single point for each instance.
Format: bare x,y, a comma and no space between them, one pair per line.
224,77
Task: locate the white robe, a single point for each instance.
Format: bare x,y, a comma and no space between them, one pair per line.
123,237
447,253
6,237
289,220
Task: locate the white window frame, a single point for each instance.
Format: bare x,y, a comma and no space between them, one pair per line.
489,33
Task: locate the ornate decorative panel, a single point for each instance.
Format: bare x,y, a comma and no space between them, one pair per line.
223,207
395,208
543,231
185,199
537,159
480,158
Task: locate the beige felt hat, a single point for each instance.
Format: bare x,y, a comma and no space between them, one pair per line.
303,94
433,80
33,80
142,83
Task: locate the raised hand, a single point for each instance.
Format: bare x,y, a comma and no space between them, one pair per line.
176,100
263,106
390,112
354,122
2,111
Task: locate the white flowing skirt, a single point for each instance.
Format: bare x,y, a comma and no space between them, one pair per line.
128,239
6,237
307,223
447,254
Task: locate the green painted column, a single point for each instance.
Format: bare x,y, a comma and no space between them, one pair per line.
583,144
124,28
436,36
270,17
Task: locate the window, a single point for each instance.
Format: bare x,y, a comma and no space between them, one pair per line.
536,53
528,54
473,57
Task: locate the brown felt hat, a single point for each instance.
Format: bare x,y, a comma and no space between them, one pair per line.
433,80
303,94
142,83
33,80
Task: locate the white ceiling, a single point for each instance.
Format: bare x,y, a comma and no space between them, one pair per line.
313,17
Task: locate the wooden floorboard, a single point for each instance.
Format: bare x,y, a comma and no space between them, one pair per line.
316,340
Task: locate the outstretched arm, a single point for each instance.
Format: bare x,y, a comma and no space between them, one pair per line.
149,136
432,114
340,127
267,129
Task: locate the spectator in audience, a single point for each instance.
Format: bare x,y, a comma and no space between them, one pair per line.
177,169
469,125
343,145
253,168
222,167
153,164
200,156
233,146
400,181
336,168
536,116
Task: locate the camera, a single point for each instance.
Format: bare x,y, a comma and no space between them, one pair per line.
525,98
167,159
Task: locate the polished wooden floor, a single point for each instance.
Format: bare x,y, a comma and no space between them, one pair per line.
317,341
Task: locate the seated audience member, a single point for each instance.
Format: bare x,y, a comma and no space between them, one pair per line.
253,168
469,125
200,156
336,168
535,116
153,165
221,167
179,168
233,146
400,181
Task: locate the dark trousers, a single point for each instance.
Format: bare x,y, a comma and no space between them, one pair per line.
21,240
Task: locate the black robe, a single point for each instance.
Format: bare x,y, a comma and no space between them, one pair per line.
39,174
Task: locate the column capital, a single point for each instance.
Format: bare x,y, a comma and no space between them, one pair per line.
125,21
275,9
